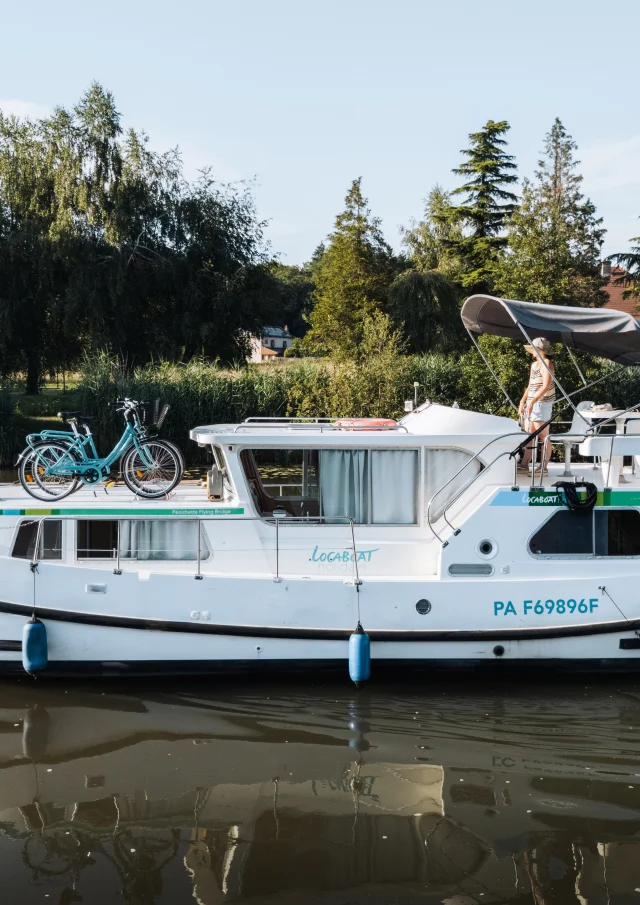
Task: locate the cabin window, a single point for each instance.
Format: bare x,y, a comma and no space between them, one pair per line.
442,466
50,540
97,538
141,539
162,539
617,532
373,487
602,532
283,478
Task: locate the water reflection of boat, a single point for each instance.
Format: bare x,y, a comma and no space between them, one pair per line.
325,796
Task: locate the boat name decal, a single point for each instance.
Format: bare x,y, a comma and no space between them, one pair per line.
341,555
131,513
539,497
542,607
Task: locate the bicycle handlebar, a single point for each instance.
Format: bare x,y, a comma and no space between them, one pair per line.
125,403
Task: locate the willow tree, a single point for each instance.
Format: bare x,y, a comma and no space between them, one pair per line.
105,245
425,307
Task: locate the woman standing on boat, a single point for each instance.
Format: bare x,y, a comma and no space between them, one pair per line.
537,401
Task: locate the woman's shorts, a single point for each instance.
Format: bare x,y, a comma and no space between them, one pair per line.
541,411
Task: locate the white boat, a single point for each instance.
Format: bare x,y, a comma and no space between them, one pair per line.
420,530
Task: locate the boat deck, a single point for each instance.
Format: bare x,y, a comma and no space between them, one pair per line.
187,494
191,494
581,471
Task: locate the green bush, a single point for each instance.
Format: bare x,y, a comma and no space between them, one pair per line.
201,392
10,441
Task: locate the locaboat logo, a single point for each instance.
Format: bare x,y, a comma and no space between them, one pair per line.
341,556
542,499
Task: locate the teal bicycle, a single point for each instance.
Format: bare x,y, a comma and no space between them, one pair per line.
56,463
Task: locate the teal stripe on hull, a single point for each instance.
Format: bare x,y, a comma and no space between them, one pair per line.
132,512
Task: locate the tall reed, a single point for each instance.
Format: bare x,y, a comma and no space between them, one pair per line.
201,392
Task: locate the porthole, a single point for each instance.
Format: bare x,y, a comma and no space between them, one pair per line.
423,607
498,650
487,548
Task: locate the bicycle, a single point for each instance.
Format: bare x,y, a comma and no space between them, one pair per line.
56,463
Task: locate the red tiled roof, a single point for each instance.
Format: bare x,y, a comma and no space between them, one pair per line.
616,291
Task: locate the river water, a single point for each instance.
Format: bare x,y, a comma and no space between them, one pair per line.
429,790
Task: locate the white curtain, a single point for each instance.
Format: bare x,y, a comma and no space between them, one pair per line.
440,466
168,539
344,484
394,475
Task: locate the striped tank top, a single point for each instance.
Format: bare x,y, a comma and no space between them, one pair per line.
536,380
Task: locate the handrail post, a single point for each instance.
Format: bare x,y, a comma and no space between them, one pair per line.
198,575
36,549
356,580
608,484
277,578
118,570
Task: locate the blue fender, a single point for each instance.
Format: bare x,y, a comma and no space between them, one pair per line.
35,654
359,656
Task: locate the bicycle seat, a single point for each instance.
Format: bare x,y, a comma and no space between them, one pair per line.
75,416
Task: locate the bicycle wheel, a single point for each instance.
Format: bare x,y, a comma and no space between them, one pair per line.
153,472
34,476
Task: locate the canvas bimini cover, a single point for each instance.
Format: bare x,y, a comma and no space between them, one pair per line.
601,331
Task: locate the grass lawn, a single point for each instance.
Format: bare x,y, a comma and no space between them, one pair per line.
36,413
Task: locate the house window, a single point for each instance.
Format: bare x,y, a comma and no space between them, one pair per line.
602,532
372,487
141,539
50,540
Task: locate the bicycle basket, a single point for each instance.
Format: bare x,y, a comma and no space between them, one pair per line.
152,414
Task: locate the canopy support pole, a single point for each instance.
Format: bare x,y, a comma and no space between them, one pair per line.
495,376
577,367
599,380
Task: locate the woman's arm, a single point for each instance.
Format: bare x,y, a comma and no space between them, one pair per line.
523,401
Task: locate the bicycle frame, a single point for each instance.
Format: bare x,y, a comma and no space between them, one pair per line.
68,464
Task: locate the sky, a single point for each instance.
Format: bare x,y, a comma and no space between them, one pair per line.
304,97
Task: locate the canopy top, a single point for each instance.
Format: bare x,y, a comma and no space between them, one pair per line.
601,331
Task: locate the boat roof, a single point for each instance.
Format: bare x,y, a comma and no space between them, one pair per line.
604,332
188,499
430,424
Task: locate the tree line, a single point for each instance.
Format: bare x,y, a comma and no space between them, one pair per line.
105,245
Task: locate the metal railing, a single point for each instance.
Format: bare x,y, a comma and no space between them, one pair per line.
321,424
465,487
276,521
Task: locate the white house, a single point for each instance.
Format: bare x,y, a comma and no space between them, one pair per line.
272,343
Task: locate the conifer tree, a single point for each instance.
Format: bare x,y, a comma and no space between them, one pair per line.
555,237
429,241
486,208
352,279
